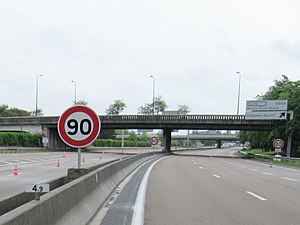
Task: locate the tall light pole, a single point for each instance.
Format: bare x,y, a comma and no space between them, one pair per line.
239,92
75,100
153,91
37,93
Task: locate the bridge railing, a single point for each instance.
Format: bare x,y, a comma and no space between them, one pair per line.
172,118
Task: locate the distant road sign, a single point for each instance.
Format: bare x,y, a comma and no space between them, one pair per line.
154,140
79,126
266,105
266,115
278,144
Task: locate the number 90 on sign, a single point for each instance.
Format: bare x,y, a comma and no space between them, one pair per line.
78,126
37,188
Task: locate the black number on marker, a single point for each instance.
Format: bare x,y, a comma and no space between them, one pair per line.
34,188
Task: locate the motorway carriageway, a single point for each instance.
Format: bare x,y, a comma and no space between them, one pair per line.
194,190
38,168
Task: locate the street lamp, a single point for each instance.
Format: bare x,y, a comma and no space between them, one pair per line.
75,101
37,93
239,92
153,91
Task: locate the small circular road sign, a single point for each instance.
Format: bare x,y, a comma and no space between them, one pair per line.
79,126
278,144
154,140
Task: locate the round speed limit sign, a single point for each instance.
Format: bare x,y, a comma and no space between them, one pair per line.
154,140
79,126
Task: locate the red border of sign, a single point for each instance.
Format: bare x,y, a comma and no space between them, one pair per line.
93,135
278,140
154,138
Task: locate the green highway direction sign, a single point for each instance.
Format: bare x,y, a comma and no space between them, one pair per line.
266,109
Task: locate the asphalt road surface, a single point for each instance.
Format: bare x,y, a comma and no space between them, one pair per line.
205,190
38,168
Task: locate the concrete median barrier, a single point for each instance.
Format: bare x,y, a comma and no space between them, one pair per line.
77,201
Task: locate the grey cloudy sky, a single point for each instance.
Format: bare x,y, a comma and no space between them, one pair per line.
110,48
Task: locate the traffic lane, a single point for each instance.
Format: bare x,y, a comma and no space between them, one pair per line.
41,168
271,183
227,152
275,183
194,191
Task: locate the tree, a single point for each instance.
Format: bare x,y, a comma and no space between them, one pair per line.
283,89
82,102
116,108
39,112
183,109
6,111
159,106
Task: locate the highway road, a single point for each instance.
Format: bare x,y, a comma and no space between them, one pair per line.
203,190
196,190
37,168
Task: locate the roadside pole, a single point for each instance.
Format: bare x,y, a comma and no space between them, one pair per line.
289,143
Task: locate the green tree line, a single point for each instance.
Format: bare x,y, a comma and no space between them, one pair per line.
283,89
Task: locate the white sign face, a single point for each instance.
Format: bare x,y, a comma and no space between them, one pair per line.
264,115
266,105
37,188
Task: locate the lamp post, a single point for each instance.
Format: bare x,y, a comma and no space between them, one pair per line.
37,93
75,94
239,92
153,91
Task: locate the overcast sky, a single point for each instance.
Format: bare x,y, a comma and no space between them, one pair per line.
110,48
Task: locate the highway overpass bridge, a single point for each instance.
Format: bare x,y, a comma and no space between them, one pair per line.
48,124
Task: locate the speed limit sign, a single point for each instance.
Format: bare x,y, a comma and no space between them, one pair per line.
154,140
278,144
79,126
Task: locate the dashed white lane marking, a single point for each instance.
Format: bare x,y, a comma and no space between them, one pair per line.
290,179
253,169
201,168
195,163
216,176
256,196
267,173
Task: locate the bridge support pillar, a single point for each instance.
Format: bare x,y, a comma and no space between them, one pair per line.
167,140
218,143
55,141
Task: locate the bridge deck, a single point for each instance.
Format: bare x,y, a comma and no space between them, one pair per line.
200,122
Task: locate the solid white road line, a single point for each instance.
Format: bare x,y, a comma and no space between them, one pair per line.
139,207
256,196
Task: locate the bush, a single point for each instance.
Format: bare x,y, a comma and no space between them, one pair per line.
118,143
19,139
